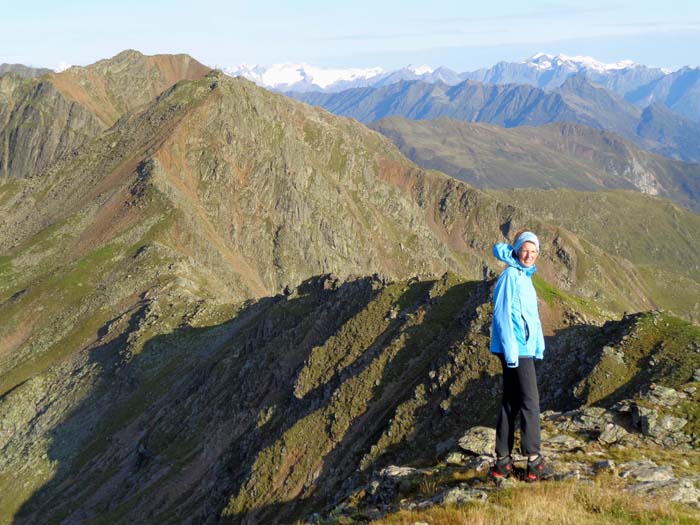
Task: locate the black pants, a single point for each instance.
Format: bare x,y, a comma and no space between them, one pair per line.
520,395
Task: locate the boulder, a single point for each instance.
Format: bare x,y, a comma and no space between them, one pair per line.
612,433
561,442
479,441
460,495
664,396
645,471
684,490
672,424
455,458
604,465
593,418
393,472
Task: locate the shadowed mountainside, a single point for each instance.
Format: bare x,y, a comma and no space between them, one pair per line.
289,406
224,192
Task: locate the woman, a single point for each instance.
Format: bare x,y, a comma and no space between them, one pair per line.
516,338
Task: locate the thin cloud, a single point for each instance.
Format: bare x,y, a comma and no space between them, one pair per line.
390,36
665,24
376,36
441,26
555,11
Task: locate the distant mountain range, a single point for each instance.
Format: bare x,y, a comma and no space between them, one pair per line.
639,84
578,100
548,72
304,77
541,70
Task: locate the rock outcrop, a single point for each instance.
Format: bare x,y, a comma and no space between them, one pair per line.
578,449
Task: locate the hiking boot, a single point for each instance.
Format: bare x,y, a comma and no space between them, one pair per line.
501,469
537,469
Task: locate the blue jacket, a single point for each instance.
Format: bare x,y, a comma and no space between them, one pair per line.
516,330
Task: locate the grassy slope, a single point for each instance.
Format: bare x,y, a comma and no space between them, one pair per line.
561,155
556,503
656,235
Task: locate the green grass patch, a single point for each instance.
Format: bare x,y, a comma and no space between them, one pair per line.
57,295
356,336
657,348
555,503
6,267
553,296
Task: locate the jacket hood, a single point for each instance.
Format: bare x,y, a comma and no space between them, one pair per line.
504,252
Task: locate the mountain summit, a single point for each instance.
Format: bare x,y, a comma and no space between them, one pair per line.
44,119
111,87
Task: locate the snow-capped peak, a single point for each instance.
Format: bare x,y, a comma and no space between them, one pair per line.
421,70
281,76
543,61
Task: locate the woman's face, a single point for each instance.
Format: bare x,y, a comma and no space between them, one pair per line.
527,254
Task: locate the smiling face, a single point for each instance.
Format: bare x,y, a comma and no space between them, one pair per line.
527,255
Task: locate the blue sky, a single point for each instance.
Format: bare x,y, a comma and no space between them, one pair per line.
458,34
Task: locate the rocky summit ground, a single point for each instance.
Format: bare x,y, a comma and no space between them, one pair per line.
634,462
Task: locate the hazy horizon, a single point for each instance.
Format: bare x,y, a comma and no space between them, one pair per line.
453,34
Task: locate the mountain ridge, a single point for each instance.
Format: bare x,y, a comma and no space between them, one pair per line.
92,88
23,71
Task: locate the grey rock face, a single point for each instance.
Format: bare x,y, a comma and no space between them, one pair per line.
455,458
393,471
561,442
664,396
672,424
604,465
645,470
645,420
38,126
